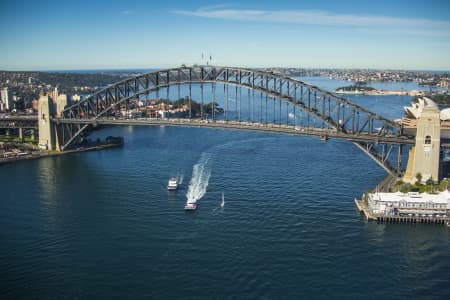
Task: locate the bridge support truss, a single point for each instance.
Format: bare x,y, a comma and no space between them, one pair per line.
269,99
382,155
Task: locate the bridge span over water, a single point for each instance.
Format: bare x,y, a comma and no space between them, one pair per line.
230,98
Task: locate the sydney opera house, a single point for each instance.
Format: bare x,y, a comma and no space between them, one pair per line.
414,112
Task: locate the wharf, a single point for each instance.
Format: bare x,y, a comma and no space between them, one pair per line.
363,208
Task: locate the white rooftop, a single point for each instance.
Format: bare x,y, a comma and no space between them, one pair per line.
417,106
442,197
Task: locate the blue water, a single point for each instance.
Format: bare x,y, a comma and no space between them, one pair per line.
332,85
102,224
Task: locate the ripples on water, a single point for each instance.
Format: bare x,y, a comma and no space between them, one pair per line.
101,224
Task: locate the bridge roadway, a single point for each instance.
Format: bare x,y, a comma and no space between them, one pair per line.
242,125
19,121
377,146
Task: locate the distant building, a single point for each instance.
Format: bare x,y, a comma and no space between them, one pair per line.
54,94
7,99
35,104
76,98
444,83
61,102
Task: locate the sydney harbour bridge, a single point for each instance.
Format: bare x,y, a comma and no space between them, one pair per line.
249,100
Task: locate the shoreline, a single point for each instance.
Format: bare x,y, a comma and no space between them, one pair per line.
52,154
382,93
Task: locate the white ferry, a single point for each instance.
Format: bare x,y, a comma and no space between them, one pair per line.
190,206
172,185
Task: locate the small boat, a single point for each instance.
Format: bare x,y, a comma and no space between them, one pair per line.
324,138
223,201
172,185
190,206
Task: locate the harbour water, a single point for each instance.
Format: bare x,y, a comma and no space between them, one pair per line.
103,225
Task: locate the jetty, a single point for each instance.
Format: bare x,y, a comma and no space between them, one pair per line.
363,207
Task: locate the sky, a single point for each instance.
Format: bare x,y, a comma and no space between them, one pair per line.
71,34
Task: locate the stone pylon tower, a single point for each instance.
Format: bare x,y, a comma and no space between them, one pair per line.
424,157
46,132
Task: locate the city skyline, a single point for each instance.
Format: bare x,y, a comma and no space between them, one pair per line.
50,35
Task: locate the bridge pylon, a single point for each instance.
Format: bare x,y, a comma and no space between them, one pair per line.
46,127
424,156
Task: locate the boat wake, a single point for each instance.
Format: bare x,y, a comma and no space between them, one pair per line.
201,171
180,178
200,178
217,210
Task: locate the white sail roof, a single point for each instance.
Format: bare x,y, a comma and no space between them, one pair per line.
445,114
417,106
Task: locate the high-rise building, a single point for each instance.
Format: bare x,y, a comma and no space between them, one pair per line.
7,98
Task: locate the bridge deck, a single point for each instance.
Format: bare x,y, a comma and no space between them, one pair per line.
19,121
252,126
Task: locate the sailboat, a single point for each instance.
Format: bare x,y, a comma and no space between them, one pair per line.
223,200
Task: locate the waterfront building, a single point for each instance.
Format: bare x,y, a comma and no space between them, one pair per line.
7,99
410,204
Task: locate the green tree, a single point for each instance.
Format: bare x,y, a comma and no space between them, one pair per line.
419,178
443,185
405,188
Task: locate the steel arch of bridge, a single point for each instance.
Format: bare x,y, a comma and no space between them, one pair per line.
340,116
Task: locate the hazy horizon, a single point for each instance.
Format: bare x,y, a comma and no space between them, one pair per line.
112,69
